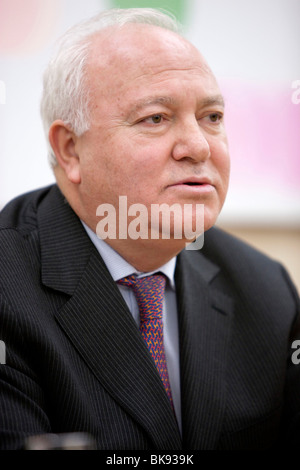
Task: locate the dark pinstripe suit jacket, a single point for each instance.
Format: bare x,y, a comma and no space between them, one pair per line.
76,362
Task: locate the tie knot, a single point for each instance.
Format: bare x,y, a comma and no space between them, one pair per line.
154,281
149,292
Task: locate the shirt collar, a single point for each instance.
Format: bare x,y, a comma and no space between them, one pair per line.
119,267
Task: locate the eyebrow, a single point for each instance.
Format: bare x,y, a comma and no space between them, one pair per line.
213,100
169,101
152,100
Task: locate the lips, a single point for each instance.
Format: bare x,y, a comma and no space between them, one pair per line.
190,183
193,181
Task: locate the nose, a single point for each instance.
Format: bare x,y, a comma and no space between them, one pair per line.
190,142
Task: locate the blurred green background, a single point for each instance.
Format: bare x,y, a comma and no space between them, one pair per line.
176,7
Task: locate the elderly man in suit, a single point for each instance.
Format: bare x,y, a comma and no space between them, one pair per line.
136,340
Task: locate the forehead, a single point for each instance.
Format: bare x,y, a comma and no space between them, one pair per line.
134,57
121,42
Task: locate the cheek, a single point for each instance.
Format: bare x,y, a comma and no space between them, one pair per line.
221,160
225,170
143,163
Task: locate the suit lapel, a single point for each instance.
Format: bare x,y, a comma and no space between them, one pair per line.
204,322
98,323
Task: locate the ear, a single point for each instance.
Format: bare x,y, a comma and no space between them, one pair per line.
63,143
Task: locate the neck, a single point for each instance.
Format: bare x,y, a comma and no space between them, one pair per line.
147,255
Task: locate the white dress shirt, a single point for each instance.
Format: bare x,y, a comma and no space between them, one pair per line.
119,268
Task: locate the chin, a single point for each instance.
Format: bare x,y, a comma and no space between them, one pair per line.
210,218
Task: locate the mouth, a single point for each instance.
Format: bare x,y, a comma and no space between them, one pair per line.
194,182
202,185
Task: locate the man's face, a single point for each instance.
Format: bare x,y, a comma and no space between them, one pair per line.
157,134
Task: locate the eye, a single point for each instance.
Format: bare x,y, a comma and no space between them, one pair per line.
215,117
155,119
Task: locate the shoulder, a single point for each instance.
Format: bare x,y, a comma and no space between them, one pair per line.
20,213
19,237
228,250
246,270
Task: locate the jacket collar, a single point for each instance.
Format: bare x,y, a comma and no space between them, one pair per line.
205,316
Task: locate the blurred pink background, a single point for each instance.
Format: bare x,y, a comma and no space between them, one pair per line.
26,25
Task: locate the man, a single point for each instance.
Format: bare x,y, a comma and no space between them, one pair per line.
133,110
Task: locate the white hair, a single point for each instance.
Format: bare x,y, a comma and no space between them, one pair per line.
65,94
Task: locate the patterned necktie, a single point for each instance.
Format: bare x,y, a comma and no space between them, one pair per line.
149,293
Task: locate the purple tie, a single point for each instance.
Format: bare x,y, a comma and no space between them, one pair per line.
149,293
